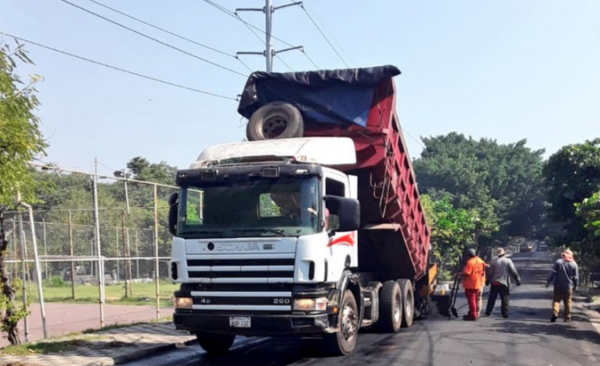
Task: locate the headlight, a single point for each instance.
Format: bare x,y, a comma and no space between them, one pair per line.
310,304
183,303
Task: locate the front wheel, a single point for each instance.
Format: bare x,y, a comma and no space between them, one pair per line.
215,344
343,341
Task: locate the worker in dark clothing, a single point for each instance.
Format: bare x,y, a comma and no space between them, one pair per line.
565,275
501,270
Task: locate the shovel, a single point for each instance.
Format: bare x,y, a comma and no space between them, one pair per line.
453,295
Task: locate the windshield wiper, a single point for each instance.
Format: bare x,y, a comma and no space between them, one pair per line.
263,230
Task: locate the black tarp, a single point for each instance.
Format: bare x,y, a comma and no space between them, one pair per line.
329,96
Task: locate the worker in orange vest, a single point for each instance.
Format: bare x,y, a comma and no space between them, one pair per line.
473,282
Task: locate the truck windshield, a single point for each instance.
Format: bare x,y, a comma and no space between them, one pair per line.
263,207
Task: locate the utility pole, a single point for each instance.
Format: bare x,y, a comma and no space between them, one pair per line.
269,52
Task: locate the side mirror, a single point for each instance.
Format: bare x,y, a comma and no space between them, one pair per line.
173,207
347,210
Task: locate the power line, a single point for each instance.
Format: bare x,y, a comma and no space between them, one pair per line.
163,30
263,42
411,136
283,62
152,38
252,29
324,36
234,15
324,27
120,69
243,63
310,59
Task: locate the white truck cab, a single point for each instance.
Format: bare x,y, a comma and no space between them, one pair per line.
263,233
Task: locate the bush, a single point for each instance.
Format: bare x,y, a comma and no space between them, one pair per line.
56,281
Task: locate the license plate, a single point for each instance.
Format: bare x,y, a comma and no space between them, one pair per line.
239,321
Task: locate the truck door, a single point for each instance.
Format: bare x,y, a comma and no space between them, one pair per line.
342,245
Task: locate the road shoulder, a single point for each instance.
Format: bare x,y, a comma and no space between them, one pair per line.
591,309
110,347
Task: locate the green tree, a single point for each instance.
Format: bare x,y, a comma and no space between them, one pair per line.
571,175
589,247
20,142
452,229
502,182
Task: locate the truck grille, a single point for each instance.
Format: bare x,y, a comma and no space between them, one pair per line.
242,285
241,270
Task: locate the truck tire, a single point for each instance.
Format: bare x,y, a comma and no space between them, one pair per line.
276,120
390,307
343,341
215,344
408,302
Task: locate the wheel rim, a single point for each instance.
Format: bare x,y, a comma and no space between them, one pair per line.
397,309
349,323
274,126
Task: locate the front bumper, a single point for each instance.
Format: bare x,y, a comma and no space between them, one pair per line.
261,325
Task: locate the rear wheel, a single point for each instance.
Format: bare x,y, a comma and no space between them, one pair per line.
408,302
390,307
215,344
343,341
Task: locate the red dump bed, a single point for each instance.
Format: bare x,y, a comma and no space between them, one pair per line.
395,237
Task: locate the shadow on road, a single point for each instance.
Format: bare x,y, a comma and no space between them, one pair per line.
546,329
273,352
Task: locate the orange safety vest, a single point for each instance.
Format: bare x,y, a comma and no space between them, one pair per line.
474,274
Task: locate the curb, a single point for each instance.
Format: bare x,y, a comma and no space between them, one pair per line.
143,353
592,315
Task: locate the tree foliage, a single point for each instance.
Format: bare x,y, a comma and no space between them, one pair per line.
589,247
501,182
572,174
20,142
452,229
71,195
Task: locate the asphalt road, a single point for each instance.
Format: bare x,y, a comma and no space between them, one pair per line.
527,338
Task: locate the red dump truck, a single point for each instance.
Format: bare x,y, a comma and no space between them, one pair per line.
313,227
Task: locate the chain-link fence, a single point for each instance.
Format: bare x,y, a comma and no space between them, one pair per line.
119,256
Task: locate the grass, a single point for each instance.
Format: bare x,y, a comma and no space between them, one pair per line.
124,325
143,294
60,344
46,347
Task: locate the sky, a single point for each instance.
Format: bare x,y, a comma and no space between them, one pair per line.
507,70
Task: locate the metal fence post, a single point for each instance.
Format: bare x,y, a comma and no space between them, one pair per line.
156,263
128,262
45,245
98,249
124,253
118,276
38,267
137,254
70,225
23,272
15,270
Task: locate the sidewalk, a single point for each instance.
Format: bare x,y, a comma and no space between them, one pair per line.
63,319
590,307
110,347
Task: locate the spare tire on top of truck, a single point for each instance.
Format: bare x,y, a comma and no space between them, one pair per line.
276,120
